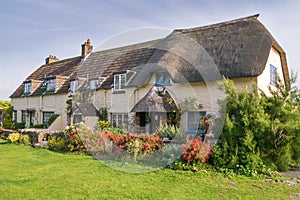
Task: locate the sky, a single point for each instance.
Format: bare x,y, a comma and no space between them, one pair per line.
31,30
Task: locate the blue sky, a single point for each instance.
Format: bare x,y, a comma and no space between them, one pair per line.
33,29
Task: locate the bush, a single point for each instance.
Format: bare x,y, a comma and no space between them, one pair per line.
102,125
57,144
25,139
14,137
38,126
167,131
52,119
73,139
195,152
18,126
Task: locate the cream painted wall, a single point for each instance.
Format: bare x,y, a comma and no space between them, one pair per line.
47,103
263,80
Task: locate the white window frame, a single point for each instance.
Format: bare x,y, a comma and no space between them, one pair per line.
51,85
73,86
27,87
123,117
94,84
119,82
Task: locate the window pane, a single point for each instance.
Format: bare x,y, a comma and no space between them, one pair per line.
116,82
51,85
27,87
123,81
192,122
46,116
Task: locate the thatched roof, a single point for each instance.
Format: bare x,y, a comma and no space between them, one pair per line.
234,49
156,101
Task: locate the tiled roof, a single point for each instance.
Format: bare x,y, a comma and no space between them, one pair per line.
63,70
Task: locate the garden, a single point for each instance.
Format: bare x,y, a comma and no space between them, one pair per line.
259,139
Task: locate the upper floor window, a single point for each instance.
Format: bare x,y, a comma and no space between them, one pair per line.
27,87
273,75
162,79
119,82
94,84
73,86
51,85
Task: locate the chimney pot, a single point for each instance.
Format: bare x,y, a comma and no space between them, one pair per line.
51,59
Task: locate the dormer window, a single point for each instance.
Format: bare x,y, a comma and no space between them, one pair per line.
94,84
27,87
73,86
51,85
162,79
119,82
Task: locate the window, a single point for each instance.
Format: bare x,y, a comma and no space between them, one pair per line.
46,116
119,82
27,87
120,120
15,116
193,121
94,84
51,85
162,79
73,86
273,75
24,116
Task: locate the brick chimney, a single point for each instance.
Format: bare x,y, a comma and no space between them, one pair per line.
51,59
86,48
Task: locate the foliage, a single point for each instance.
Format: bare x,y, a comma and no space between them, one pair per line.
18,126
51,119
73,139
167,131
116,129
25,139
13,137
7,116
195,152
102,125
103,115
95,142
260,130
138,144
38,126
57,144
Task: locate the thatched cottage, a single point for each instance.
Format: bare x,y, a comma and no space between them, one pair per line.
143,86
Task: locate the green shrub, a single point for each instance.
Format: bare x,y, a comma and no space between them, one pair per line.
52,119
18,126
38,126
25,139
116,130
167,131
102,125
57,144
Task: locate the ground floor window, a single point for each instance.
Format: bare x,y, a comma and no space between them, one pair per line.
193,120
23,119
119,120
46,116
15,116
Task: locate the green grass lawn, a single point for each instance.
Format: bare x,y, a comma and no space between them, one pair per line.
28,173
